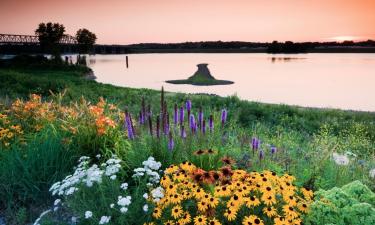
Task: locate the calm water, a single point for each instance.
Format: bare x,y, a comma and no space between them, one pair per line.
343,81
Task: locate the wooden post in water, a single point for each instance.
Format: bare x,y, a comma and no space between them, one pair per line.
127,62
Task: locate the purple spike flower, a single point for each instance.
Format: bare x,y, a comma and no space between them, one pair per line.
170,142
223,116
182,115
192,122
273,150
129,126
175,116
188,109
253,143
188,105
211,123
200,117
182,132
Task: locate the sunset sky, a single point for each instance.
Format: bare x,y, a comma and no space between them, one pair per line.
136,21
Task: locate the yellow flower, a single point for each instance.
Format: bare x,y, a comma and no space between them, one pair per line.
230,214
280,221
214,222
186,218
290,212
307,193
252,220
200,220
252,202
269,211
202,206
176,198
213,202
177,211
303,207
157,213
169,222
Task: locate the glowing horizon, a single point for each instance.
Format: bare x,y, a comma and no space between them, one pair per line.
171,21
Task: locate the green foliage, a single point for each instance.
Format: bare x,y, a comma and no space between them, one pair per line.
28,170
353,204
85,39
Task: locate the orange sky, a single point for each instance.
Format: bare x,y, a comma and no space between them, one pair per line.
136,21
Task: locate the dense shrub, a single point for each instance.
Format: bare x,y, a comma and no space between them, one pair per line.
353,204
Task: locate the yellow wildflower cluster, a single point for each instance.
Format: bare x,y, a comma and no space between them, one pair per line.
226,196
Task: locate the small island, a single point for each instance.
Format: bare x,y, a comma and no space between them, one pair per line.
202,77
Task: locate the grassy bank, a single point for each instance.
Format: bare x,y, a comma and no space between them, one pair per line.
66,118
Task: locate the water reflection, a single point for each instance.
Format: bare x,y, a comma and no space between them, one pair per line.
316,80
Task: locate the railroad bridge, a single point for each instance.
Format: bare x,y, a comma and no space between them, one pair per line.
29,44
16,39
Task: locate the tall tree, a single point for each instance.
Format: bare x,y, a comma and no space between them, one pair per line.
86,40
49,36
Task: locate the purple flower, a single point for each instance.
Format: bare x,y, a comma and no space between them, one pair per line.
223,116
200,117
129,125
182,132
273,150
170,142
211,123
188,105
192,122
181,115
141,118
253,142
175,116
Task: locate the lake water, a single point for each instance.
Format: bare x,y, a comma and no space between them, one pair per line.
345,81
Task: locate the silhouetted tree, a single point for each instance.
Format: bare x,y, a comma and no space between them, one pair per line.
86,40
49,36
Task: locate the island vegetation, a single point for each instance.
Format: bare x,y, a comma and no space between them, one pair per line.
202,77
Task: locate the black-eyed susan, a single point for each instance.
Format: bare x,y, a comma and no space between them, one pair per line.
213,202
252,201
200,220
177,211
270,211
214,222
157,213
252,220
230,214
202,206
186,218
169,222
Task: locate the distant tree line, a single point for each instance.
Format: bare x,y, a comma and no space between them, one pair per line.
273,47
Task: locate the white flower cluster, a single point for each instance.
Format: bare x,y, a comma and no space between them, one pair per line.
372,173
150,168
86,175
157,194
341,160
124,202
104,219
